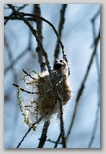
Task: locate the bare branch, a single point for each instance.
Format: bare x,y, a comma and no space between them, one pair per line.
90,63
95,124
29,92
49,140
44,134
96,15
60,29
28,74
37,11
57,142
22,7
93,27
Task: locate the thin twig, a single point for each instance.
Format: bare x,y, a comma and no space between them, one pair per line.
49,140
96,15
57,142
95,123
22,7
28,74
29,92
93,26
90,63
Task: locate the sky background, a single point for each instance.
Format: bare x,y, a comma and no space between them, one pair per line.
77,38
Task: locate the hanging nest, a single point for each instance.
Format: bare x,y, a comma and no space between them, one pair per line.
42,95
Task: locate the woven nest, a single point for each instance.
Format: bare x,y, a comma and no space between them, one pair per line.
46,103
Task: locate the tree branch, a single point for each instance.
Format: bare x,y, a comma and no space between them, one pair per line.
57,142
37,11
29,92
60,29
44,134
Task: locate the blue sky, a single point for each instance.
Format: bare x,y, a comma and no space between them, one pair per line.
77,38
